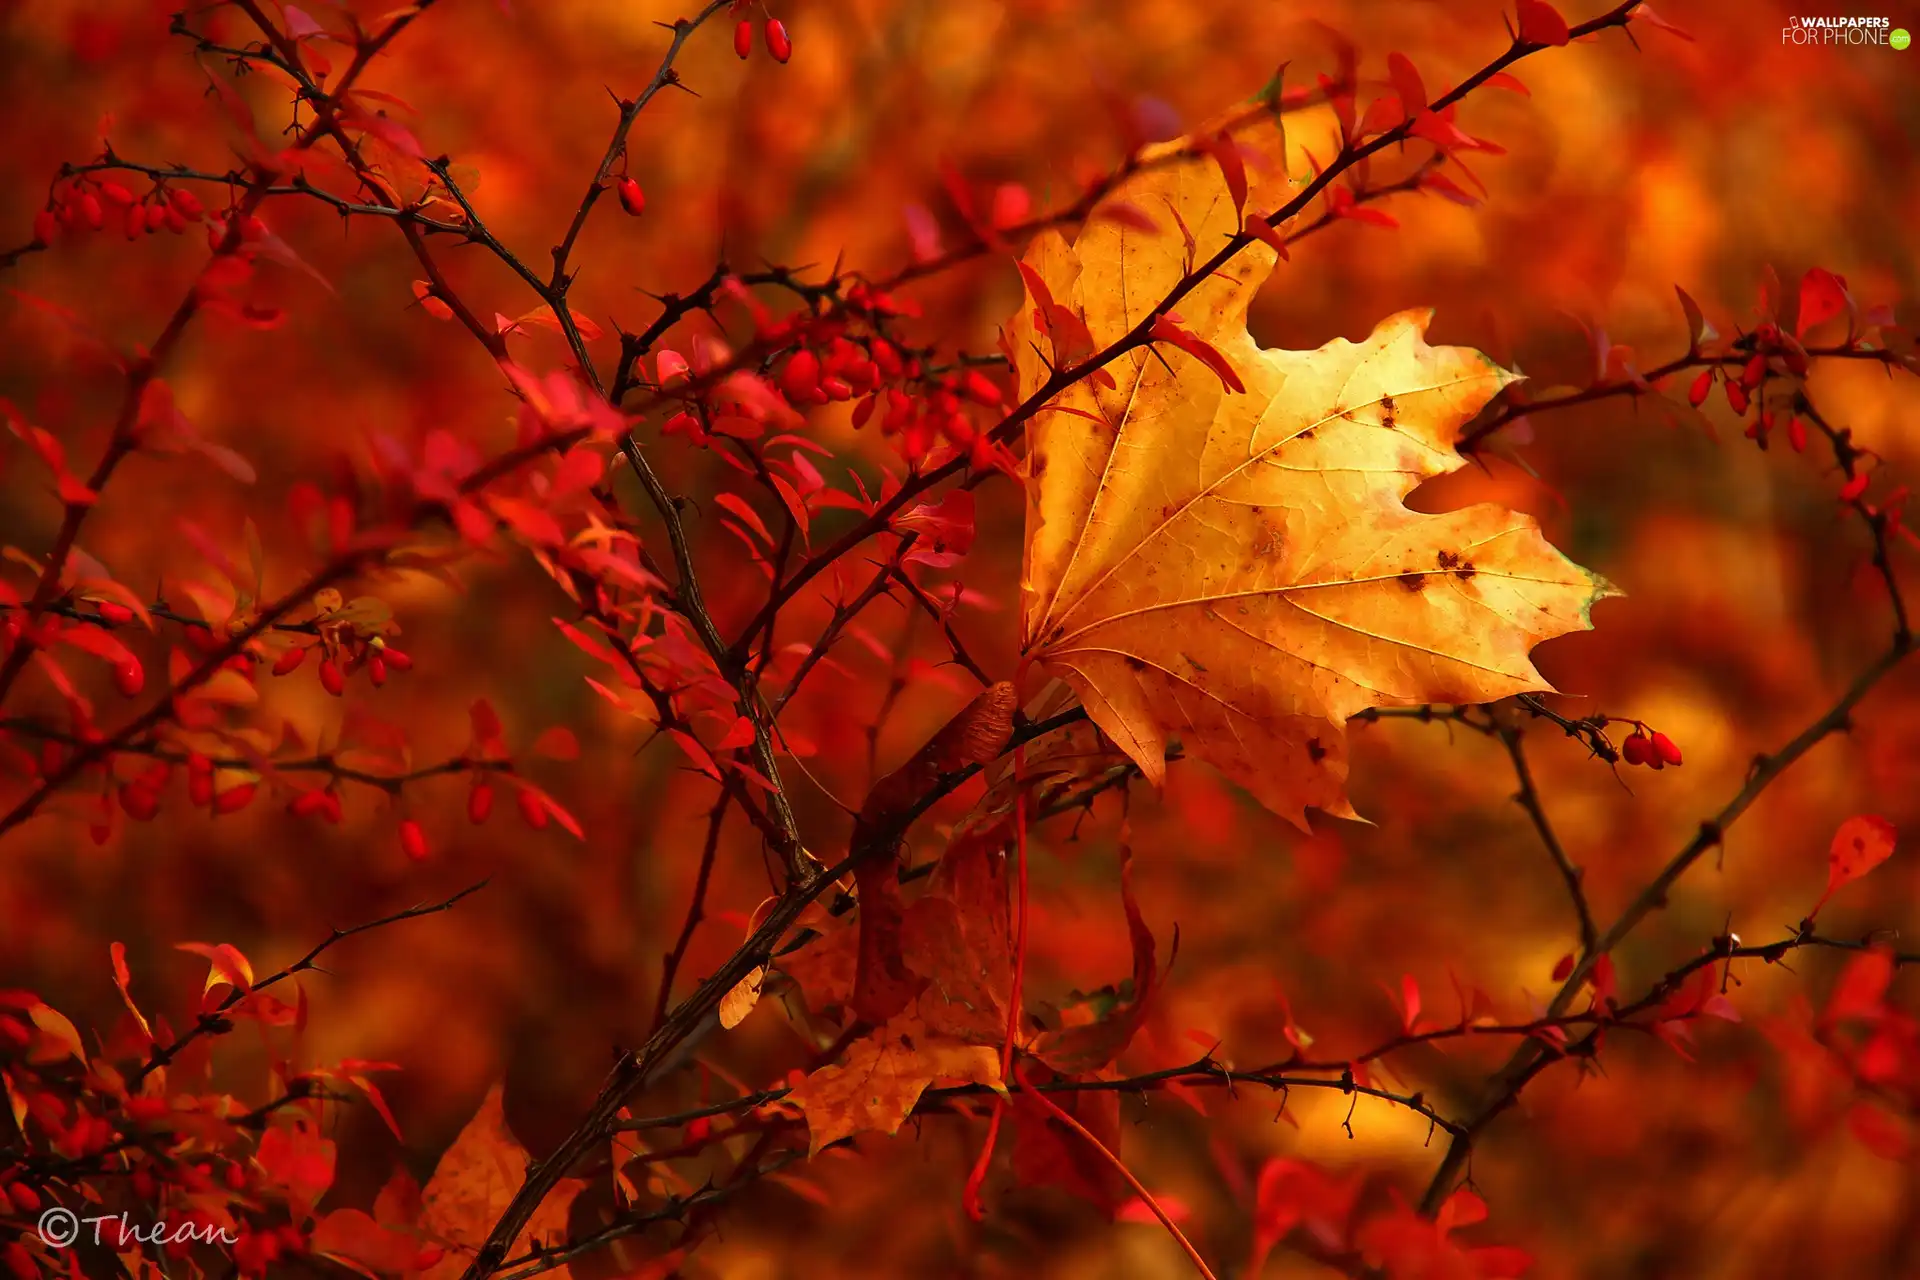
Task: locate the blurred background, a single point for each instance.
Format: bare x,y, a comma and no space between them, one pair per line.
1749,600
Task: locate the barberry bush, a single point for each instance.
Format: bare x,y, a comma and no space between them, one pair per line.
985,638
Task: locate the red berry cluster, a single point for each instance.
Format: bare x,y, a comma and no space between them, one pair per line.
831,363
89,203
343,655
779,44
1655,750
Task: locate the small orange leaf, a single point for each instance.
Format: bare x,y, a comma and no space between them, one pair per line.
739,1002
228,967
122,978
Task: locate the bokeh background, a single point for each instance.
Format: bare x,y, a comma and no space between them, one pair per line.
1748,606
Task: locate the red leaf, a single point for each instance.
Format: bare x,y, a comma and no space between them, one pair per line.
1861,844
558,743
738,735
1226,153
740,507
1167,329
1406,83
1541,23
1862,989
1823,295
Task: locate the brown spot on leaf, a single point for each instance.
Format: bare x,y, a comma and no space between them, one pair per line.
1414,582
1315,752
1448,560
1133,663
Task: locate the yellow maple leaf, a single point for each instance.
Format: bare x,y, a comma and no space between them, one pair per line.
881,1077
472,1185
1238,570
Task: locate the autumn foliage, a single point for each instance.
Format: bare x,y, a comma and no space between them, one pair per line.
1027,638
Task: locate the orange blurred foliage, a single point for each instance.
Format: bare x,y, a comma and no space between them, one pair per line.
1749,1139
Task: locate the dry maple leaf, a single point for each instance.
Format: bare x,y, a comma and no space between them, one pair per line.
472,1185
877,1083
1240,570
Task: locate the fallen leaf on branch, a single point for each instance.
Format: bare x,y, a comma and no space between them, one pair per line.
881,1077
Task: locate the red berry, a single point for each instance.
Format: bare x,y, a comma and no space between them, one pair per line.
1797,435
533,809
234,799
308,804
141,803
1666,749
801,376
90,210
1636,749
116,193
777,42
1697,393
479,802
977,387
136,222
289,660
1853,488
200,789
743,38
377,670
413,841
330,678
1737,397
113,614
128,678
397,660
44,225
24,1197
632,198
20,1262
187,203
176,221
156,217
